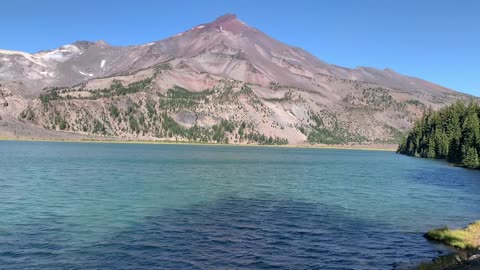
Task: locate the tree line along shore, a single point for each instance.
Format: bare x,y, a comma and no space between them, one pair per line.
451,133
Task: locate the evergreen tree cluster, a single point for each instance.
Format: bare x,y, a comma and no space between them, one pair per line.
451,133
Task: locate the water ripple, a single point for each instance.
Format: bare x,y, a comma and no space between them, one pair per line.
101,206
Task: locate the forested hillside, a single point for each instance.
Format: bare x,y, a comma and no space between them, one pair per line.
452,133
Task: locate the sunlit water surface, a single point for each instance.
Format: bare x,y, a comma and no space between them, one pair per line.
121,206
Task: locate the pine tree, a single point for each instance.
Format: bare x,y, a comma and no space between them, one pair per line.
451,133
471,158
431,148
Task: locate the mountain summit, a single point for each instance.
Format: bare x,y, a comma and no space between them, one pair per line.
228,22
218,81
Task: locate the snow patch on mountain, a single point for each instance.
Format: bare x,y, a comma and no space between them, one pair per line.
86,74
47,73
61,54
28,56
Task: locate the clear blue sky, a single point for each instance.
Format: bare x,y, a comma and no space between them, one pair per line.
435,40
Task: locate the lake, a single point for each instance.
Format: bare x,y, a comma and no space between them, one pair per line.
140,206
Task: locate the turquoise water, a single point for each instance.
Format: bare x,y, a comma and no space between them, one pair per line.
120,206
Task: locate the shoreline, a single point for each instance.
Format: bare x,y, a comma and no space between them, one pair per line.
459,260
374,147
458,165
466,242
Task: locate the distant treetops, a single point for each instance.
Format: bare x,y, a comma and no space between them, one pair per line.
451,133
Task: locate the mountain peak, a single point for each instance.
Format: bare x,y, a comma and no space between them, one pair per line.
224,54
228,22
102,43
83,44
226,18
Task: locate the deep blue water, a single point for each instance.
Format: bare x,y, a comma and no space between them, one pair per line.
120,206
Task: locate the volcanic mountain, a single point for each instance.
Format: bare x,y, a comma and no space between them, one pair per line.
222,81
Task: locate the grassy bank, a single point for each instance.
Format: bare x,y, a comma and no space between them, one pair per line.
458,238
467,240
